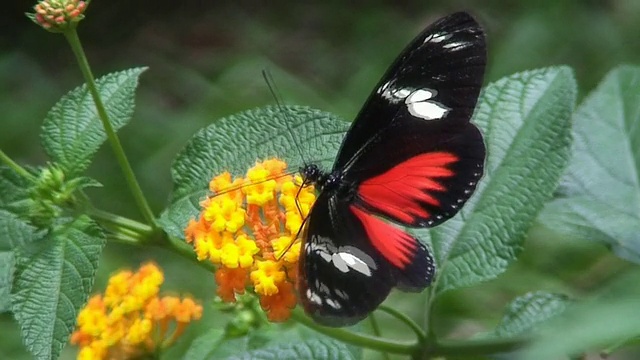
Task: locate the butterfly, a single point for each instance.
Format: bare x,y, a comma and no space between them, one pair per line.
410,158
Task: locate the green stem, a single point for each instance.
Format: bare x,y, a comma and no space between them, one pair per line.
17,168
476,347
124,239
422,337
122,222
428,319
121,157
370,342
376,331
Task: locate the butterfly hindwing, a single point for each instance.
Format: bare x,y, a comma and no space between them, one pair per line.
432,173
346,275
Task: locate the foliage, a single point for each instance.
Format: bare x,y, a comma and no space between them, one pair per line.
52,234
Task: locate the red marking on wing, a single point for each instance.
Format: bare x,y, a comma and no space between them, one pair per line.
394,244
401,190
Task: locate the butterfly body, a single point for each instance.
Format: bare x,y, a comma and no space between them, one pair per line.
410,159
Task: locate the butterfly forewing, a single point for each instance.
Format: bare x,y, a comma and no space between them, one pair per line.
411,158
418,114
443,66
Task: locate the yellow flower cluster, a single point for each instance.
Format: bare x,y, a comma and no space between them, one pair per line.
248,229
130,320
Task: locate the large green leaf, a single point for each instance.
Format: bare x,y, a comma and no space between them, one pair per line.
14,232
310,349
601,188
205,345
235,143
215,345
72,131
52,281
7,263
606,321
525,119
14,191
14,197
527,312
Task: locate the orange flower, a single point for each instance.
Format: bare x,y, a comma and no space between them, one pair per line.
230,282
278,306
131,321
248,229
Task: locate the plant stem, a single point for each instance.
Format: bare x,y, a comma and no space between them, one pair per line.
370,342
17,168
121,157
428,319
475,347
443,348
119,221
405,319
376,331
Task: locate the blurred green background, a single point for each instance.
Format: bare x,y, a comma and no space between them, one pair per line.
205,62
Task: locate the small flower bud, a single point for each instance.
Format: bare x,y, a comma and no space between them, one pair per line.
58,15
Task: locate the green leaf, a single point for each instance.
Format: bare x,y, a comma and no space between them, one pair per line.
205,345
310,349
13,233
52,282
527,312
601,188
525,122
72,131
212,345
595,324
7,263
14,191
83,182
235,143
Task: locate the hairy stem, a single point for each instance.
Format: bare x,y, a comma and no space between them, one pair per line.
121,157
15,167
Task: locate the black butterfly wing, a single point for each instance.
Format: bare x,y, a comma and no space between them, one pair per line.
411,156
344,275
412,151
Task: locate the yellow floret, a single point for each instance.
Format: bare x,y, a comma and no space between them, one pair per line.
266,277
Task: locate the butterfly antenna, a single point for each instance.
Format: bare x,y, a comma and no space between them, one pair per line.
285,250
246,184
304,220
271,84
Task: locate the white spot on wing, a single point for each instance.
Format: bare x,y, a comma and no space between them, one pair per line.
313,297
420,95
341,294
436,38
419,106
456,45
393,94
344,261
333,304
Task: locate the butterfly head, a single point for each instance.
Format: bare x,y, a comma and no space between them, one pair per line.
312,174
